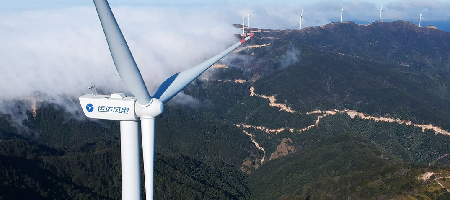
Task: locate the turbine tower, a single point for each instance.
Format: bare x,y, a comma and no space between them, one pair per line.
143,107
301,19
342,11
420,19
381,9
243,26
248,24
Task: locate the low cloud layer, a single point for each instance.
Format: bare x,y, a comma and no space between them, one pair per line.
56,54
63,51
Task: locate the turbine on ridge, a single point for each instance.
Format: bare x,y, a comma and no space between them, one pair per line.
420,19
143,107
301,19
381,9
243,26
248,24
342,11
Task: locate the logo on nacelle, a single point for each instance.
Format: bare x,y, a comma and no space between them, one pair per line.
122,110
90,107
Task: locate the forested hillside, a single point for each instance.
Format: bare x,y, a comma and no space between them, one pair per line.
332,112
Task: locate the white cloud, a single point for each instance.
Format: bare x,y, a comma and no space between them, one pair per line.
410,10
62,51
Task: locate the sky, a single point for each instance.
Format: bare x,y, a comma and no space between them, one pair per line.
52,3
315,11
57,47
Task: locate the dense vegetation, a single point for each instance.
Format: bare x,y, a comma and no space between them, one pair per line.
92,171
341,167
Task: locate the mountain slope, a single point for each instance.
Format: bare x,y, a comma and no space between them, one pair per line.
322,113
342,167
92,171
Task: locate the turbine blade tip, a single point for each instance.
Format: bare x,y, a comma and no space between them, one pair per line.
247,38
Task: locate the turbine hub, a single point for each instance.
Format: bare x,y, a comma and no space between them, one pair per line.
151,110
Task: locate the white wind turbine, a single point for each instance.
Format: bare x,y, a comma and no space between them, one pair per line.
128,110
243,26
248,18
301,19
342,11
420,19
381,10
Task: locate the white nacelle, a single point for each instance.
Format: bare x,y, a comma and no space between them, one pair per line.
110,107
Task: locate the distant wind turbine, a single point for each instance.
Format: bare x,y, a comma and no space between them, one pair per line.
301,19
143,107
342,11
243,26
381,9
420,19
248,24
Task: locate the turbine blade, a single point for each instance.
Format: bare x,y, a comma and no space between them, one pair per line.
170,87
120,52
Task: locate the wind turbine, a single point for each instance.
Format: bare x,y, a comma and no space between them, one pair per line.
243,26
342,11
248,24
420,19
381,9
128,110
301,19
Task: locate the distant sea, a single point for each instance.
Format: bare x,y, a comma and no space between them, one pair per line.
443,25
